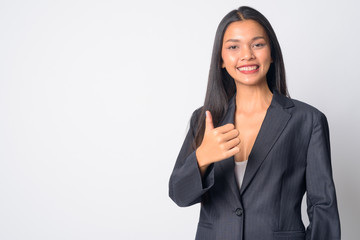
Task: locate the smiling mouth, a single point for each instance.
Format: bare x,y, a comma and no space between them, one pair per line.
248,68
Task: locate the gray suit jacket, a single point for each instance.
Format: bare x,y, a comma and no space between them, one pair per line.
291,155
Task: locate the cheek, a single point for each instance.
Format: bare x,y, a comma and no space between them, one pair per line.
266,58
223,56
269,56
227,58
222,60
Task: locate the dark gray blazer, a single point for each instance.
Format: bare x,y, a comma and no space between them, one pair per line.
291,155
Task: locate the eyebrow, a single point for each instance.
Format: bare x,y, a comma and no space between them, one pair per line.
237,40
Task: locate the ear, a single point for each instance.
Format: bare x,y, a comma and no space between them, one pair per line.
223,64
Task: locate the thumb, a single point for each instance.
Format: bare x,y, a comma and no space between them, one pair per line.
208,121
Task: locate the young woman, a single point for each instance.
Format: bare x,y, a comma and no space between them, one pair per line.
252,152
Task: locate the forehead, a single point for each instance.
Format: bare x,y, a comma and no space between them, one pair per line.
244,30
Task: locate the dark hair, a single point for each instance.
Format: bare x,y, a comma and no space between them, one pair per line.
221,86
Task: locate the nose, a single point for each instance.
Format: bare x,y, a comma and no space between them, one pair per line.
246,54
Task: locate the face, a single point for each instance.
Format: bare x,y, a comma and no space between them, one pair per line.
246,52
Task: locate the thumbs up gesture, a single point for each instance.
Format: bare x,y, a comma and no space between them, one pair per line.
218,143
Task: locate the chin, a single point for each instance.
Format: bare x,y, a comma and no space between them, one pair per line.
250,82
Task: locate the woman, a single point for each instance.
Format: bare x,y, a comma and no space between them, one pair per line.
252,152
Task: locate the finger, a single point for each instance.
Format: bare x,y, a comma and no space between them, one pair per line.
232,152
230,135
225,128
208,121
232,143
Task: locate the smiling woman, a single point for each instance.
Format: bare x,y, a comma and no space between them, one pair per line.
246,52
252,152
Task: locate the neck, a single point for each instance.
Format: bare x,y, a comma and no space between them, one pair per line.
250,99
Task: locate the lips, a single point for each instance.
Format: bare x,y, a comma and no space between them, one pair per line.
248,69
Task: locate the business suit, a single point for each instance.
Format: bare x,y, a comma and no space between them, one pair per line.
291,155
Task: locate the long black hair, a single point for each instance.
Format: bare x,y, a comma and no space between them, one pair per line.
221,86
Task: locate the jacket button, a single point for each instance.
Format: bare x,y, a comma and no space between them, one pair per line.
239,211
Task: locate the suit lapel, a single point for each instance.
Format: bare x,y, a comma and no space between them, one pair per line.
274,123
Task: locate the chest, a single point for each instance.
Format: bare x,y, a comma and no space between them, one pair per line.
248,126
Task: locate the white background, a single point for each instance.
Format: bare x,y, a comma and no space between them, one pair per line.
96,96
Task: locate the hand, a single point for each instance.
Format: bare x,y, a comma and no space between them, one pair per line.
218,143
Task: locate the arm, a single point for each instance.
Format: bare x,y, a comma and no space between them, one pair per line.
321,197
186,185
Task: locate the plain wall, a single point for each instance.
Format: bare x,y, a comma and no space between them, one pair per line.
96,97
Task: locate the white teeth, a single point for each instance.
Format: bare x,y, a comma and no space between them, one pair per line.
248,68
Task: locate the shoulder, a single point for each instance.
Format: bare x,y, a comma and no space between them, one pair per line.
305,107
298,109
195,116
197,112
307,112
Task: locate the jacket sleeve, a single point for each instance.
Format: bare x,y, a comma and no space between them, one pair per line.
321,197
186,186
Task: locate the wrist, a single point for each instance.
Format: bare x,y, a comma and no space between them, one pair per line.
200,159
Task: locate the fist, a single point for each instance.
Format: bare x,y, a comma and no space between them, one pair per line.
218,143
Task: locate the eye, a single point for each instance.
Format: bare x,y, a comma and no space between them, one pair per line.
259,45
232,47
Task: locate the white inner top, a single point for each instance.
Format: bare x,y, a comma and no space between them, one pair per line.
240,171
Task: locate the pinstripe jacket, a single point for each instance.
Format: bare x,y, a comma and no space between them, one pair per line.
290,156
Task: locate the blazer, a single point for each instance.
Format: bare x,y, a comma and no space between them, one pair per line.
290,156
